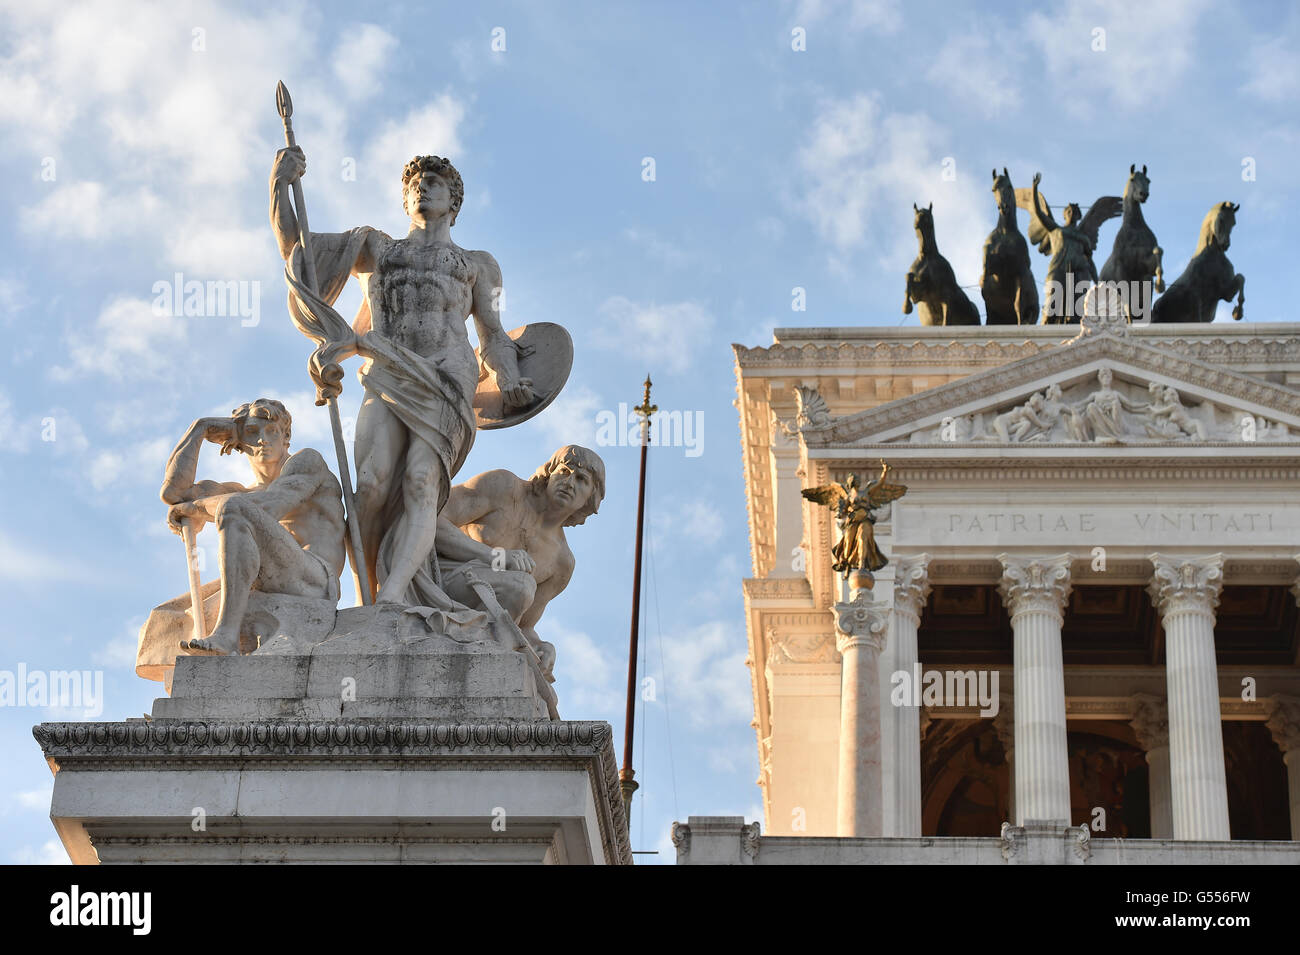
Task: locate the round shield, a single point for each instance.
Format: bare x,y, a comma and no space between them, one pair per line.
545,356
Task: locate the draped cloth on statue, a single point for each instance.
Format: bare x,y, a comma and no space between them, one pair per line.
430,403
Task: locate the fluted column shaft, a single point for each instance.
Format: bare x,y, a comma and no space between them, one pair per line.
911,590
1151,724
1186,592
1034,591
860,628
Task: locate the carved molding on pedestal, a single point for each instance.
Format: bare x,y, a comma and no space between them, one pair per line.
1186,584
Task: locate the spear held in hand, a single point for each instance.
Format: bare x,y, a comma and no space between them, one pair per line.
331,372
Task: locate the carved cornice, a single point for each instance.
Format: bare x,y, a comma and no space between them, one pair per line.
989,384
219,744
1284,722
860,623
1150,721
911,585
681,836
1035,584
778,588
1186,584
750,839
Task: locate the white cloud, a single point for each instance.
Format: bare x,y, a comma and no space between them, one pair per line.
85,210
128,340
571,417
49,853
1274,70
661,336
705,675
1148,48
589,678
973,71
692,519
142,462
864,170
361,57
22,563
36,799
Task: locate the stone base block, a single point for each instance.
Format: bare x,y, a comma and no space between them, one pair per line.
458,682
342,790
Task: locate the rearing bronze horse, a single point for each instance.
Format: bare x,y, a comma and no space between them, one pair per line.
1007,282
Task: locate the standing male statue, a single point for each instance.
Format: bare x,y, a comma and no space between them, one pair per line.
284,535
416,423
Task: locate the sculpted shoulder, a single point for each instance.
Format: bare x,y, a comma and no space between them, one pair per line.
485,265
308,461
496,482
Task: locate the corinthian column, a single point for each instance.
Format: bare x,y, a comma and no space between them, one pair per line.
1284,724
911,590
1151,724
860,627
1034,591
1186,592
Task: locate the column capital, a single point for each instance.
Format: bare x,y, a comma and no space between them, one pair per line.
912,584
861,622
1186,584
1035,583
1284,723
1150,720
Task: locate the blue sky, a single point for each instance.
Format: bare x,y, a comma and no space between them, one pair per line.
137,142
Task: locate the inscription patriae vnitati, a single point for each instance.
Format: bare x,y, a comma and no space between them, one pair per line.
1269,523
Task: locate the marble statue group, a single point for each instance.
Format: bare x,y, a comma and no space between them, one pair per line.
1126,284
482,557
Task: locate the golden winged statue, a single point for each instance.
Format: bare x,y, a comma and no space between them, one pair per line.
855,514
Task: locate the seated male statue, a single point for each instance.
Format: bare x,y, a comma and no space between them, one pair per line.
283,535
509,533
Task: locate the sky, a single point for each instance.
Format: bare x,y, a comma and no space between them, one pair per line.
663,179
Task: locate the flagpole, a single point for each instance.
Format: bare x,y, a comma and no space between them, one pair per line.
627,776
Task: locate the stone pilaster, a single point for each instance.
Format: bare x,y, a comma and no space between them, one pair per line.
1151,724
1034,591
1186,592
1284,724
860,626
911,590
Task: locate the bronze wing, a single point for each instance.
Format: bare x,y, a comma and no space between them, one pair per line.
828,494
1106,207
882,492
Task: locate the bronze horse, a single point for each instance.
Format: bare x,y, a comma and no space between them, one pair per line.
1135,259
1208,278
931,283
1007,282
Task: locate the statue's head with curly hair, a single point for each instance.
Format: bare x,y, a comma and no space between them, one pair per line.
574,476
265,421
420,167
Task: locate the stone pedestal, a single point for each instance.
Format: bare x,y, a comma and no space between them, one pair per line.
399,739
333,791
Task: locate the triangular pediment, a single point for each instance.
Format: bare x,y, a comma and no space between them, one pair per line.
1103,390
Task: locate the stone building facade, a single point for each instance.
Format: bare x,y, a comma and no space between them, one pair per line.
1085,645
